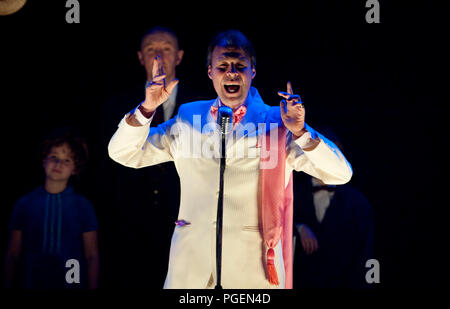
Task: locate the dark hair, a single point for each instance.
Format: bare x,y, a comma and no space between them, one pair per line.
232,39
76,144
159,29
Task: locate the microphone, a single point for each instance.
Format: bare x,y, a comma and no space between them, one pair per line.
225,122
225,119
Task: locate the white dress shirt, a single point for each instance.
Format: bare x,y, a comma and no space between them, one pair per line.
169,105
321,199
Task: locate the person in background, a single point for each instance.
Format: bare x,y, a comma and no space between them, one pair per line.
53,229
132,196
334,230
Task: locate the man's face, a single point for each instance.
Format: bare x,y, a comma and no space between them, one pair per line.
232,74
161,44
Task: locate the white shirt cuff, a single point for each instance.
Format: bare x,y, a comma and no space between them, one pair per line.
305,140
141,118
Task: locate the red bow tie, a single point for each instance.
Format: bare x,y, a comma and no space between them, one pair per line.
238,114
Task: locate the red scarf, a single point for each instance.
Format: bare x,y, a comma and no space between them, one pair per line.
277,208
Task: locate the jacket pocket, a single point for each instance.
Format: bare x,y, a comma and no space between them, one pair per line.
182,223
251,228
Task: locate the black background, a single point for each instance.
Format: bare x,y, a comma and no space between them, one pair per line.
382,87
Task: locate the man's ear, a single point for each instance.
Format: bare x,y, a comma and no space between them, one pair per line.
140,57
180,54
253,72
209,71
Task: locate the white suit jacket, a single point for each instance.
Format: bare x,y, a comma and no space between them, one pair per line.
191,140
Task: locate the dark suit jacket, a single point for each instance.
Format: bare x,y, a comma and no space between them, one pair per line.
345,238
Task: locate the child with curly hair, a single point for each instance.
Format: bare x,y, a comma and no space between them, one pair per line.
53,230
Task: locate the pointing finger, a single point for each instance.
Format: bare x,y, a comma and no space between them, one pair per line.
160,66
155,71
157,67
289,88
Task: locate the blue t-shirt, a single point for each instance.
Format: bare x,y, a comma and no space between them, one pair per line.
52,226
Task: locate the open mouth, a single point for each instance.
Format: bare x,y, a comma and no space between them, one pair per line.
232,88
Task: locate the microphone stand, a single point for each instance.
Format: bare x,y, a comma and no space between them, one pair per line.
224,117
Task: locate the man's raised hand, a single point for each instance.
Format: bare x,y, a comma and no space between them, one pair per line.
157,90
292,111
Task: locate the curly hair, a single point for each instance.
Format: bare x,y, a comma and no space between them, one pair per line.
76,144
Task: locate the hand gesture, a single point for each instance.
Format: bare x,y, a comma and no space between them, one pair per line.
292,111
308,239
157,92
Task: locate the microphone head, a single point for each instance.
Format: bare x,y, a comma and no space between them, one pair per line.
225,119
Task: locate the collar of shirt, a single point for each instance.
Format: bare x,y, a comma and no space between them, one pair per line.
321,200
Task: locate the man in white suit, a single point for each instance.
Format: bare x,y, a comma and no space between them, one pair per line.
191,140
